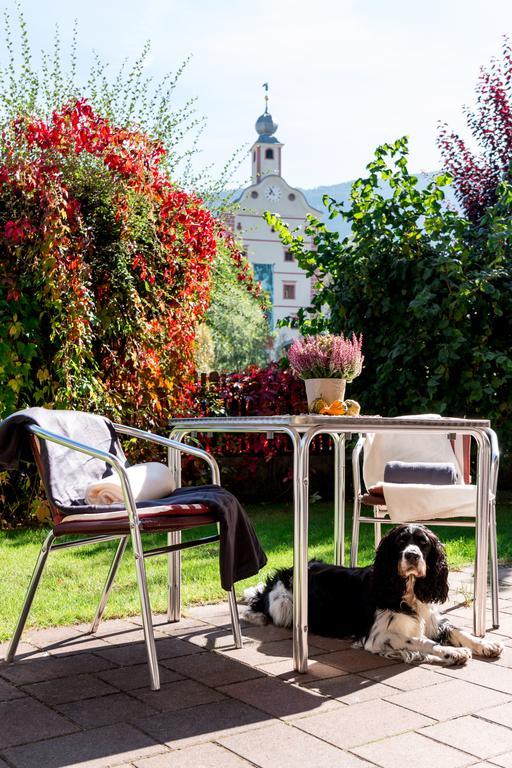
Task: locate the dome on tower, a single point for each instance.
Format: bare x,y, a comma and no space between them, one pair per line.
265,126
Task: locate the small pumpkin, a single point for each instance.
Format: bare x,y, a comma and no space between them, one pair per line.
353,407
318,405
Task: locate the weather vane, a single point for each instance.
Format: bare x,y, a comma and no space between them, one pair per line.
265,86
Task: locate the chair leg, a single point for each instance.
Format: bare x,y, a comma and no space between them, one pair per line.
235,619
32,587
493,546
147,621
377,527
354,546
108,584
174,578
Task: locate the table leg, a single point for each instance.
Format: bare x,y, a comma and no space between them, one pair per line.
339,498
300,554
481,533
174,537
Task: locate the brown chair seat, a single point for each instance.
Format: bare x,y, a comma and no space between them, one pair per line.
170,517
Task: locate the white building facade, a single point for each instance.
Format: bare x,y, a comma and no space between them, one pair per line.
274,265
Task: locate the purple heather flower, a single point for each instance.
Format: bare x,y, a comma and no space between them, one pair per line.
327,356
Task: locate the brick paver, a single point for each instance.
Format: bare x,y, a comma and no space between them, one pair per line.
72,699
279,699
413,749
207,722
25,720
105,710
405,677
450,699
505,760
136,676
178,695
66,689
478,737
351,689
8,691
278,746
201,756
360,723
99,748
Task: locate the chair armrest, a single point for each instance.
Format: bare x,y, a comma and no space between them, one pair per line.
356,467
495,459
141,434
96,453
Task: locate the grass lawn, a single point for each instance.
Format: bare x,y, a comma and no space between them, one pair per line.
73,579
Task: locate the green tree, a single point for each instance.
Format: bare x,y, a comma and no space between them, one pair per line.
236,319
431,293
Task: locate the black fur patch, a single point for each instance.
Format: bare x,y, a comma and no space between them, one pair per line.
443,632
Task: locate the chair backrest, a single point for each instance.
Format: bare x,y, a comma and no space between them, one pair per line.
66,473
401,446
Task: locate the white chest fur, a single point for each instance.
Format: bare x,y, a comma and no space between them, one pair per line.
421,621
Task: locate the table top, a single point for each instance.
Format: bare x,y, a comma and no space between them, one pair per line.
309,421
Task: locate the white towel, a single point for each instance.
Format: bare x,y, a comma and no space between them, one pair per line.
406,502
147,481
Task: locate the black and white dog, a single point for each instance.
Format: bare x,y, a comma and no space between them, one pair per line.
389,607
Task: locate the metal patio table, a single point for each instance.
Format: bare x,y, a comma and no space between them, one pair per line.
301,430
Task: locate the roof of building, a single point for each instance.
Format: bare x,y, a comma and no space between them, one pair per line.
266,127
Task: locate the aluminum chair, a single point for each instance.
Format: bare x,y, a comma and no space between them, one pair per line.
461,449
130,523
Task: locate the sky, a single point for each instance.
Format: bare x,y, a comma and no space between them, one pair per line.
343,75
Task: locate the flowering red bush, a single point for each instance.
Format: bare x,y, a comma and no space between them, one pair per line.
106,268
269,391
476,177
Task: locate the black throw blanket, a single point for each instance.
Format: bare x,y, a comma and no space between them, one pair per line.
68,473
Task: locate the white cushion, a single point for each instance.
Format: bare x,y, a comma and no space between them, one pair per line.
406,502
151,480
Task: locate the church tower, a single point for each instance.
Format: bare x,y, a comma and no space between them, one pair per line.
274,265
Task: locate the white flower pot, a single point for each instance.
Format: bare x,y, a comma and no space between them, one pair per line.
328,389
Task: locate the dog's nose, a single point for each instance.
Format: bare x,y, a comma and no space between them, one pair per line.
412,556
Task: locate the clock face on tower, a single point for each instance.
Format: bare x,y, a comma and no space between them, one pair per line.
272,192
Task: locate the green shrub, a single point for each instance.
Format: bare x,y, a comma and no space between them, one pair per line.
431,293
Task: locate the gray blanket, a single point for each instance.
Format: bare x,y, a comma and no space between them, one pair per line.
67,474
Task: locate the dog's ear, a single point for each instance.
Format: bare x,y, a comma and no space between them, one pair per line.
433,588
388,586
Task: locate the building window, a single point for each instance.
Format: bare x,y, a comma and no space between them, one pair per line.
291,196
239,226
254,157
269,154
288,256
254,194
288,290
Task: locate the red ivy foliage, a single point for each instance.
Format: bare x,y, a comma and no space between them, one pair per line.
112,258
477,176
269,391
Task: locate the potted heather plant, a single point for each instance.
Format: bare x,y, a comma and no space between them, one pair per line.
325,363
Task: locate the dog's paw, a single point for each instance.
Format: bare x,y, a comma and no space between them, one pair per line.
491,648
254,617
455,657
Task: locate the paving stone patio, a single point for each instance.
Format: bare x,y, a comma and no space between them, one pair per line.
76,700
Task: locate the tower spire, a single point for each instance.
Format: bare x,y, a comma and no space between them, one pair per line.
265,86
266,150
